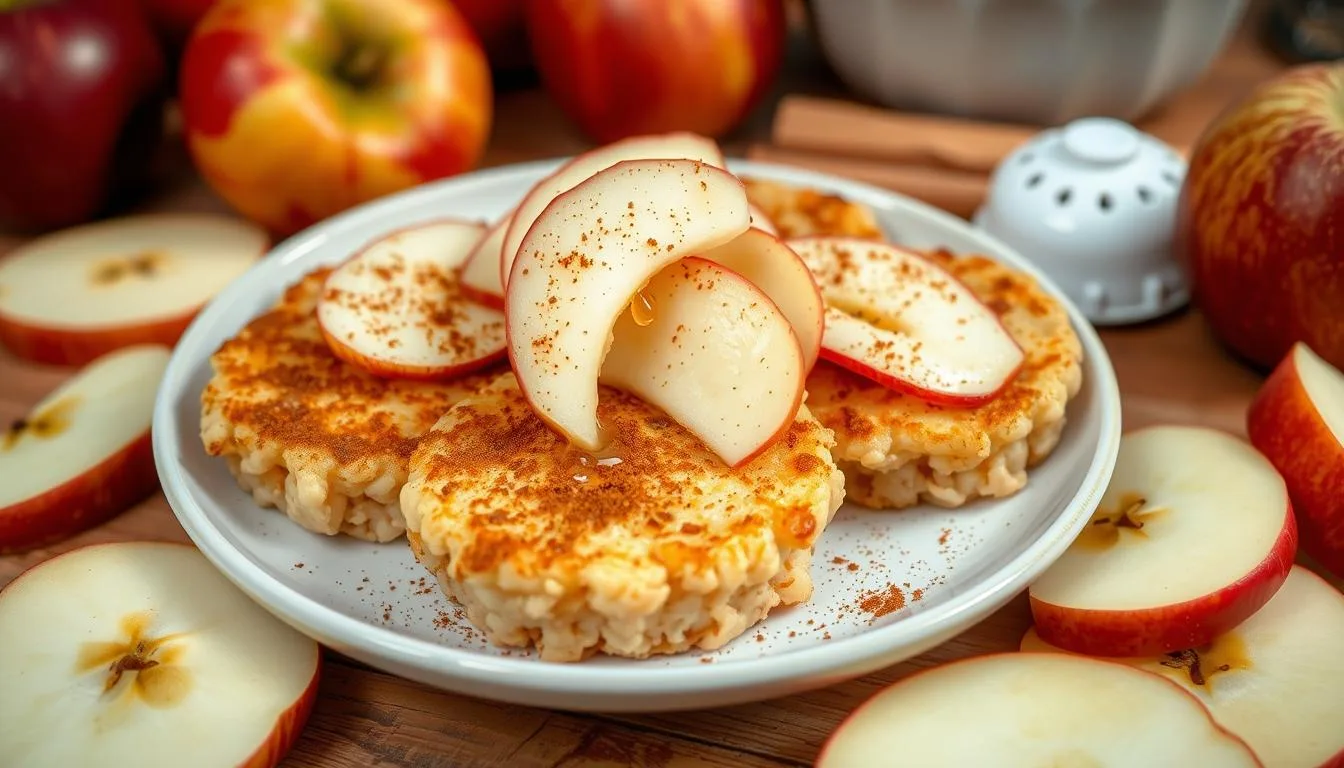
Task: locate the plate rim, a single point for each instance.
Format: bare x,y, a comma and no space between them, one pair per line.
842,658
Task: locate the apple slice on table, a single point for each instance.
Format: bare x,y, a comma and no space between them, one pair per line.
583,264
772,266
1276,680
1297,421
661,146
762,222
1194,534
479,274
1033,709
82,454
77,294
715,354
397,310
902,321
141,653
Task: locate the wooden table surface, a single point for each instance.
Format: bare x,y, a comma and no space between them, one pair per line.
1169,371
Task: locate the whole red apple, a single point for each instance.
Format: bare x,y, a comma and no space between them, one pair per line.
620,69
1260,224
295,110
81,98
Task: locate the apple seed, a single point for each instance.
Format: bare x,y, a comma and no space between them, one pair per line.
51,421
1203,664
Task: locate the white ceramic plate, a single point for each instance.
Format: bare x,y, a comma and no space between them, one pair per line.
376,604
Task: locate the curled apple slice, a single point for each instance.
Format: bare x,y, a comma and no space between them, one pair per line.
902,321
397,310
661,146
584,261
762,222
715,354
772,266
479,274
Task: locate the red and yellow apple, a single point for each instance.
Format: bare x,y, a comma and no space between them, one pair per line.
1297,421
619,69
1260,224
295,110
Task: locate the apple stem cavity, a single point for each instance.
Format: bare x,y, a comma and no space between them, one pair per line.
361,65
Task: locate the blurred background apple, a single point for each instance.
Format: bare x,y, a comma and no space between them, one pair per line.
82,89
621,68
1261,218
295,110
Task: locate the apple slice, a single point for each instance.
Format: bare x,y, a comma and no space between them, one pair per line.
479,274
1033,709
772,266
583,263
141,653
1193,535
660,146
715,354
74,295
396,309
1297,421
82,455
902,321
762,222
1276,680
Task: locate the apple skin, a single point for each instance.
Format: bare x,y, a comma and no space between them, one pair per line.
105,491
72,348
77,137
288,726
287,142
620,69
1167,628
1284,424
1260,219
912,389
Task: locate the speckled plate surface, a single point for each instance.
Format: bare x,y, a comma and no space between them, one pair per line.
889,585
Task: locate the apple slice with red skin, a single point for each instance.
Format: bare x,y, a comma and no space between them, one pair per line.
82,455
141,653
902,321
1297,421
396,309
715,354
74,295
1033,709
585,260
762,222
1193,535
661,146
772,266
479,274
1276,680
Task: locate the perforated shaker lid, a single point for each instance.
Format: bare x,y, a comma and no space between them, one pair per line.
1093,204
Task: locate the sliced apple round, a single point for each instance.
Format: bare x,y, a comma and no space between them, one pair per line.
1194,534
1276,680
583,263
902,321
81,455
715,354
762,222
79,293
771,265
1297,421
396,309
479,274
141,653
661,146
1029,709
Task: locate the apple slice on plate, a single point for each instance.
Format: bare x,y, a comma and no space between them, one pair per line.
1276,680
1297,421
396,309
583,264
1193,535
82,455
141,653
479,274
771,265
762,222
79,293
902,321
660,146
1029,709
715,354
